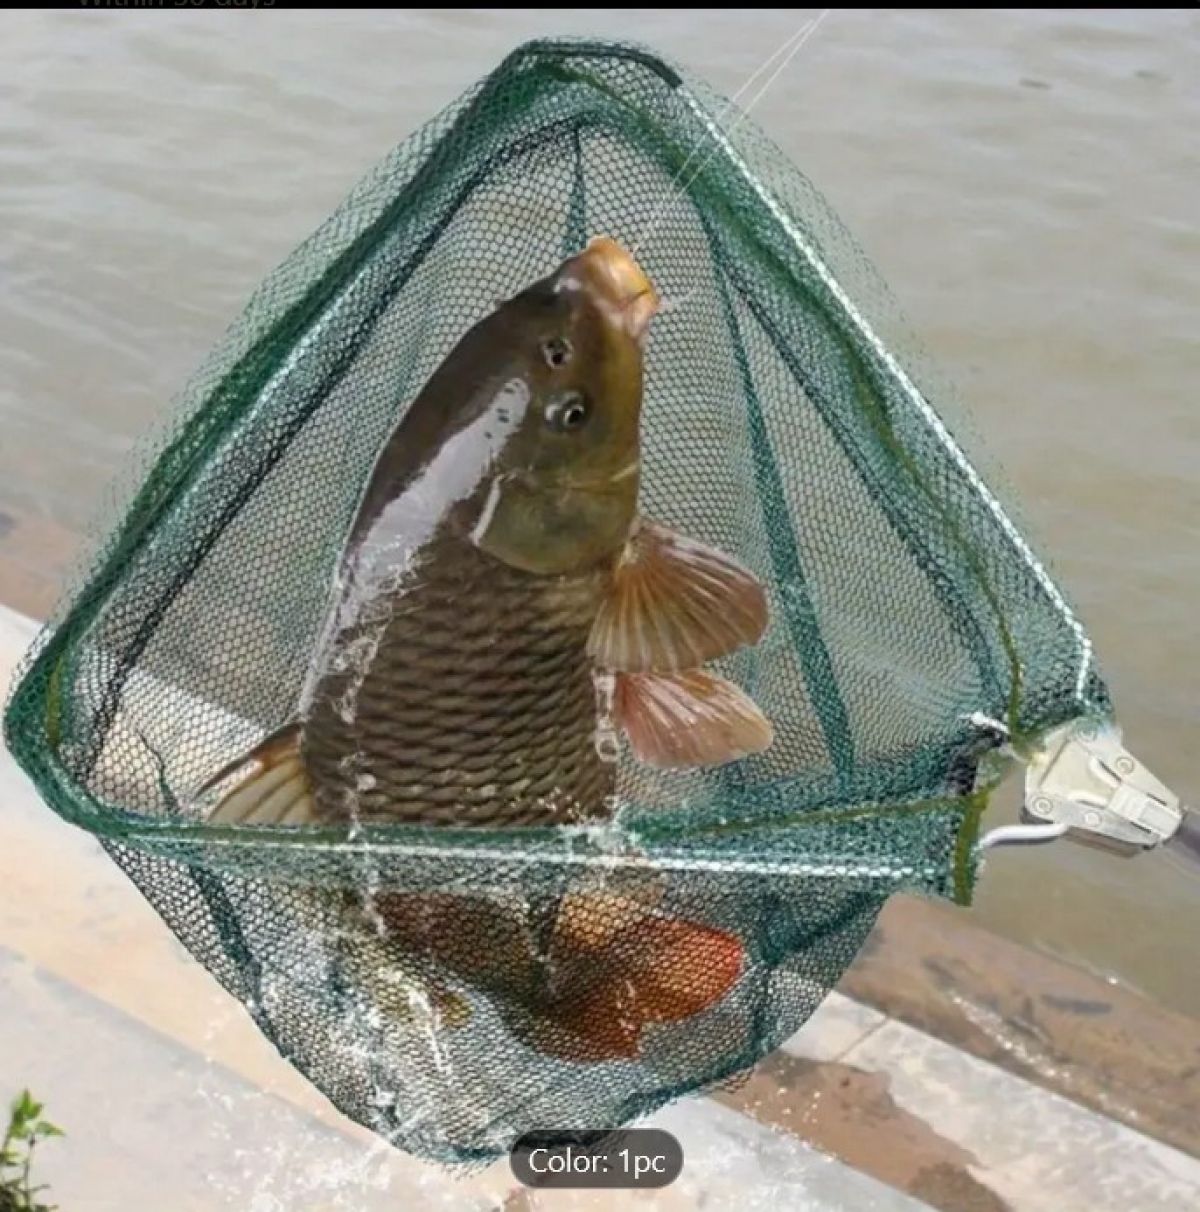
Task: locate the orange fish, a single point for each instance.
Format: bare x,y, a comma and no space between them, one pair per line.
614,964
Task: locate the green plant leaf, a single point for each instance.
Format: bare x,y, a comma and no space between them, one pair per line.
26,1126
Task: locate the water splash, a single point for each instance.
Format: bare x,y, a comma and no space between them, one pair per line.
607,737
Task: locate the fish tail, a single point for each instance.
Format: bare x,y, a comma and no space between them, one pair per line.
272,786
625,971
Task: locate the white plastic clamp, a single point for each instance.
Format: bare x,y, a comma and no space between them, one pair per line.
1084,778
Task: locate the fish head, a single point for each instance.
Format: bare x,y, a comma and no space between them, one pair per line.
561,492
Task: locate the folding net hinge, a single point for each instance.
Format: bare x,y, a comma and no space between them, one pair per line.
1083,778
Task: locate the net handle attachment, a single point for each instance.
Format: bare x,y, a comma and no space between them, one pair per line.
1082,783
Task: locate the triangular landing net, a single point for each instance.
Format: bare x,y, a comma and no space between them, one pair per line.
913,629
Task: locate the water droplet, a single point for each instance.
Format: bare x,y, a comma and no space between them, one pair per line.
608,745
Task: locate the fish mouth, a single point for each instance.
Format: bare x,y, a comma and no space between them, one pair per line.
611,274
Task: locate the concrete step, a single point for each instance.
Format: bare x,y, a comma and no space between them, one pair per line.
153,1125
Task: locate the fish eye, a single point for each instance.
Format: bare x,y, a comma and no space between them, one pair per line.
567,413
557,352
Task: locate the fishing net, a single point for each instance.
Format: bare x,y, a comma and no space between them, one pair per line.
911,629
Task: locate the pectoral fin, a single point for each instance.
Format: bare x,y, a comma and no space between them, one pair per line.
675,604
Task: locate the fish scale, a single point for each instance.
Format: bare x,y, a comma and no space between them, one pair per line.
477,706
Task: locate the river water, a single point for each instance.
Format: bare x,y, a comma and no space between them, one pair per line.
1028,183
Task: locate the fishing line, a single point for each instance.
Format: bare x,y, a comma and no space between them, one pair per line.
729,105
677,301
791,47
1180,865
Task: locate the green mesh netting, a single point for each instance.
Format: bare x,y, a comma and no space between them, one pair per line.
907,613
